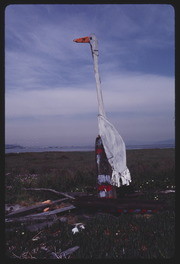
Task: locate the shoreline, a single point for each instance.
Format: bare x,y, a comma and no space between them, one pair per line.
80,149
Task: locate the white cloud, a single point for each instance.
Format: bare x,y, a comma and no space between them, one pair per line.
140,106
142,92
122,93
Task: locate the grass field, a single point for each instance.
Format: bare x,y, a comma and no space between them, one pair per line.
105,236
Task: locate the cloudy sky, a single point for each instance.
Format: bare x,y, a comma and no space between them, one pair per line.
50,91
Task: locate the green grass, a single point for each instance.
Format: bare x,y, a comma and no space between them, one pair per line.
105,236
62,171
151,170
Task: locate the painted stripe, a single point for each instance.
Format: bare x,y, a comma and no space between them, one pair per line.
106,188
142,211
99,151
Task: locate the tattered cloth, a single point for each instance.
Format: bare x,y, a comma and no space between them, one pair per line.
115,150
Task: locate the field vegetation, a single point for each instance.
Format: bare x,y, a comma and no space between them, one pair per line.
105,236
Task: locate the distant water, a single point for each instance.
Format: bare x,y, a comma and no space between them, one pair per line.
20,149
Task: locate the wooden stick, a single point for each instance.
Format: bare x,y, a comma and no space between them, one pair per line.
49,190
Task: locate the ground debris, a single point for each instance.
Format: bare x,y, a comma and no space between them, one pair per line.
34,218
61,255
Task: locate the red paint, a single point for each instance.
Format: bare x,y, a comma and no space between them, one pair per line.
98,151
143,211
82,40
106,188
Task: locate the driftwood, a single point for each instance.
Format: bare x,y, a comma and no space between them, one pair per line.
61,255
34,208
68,252
49,190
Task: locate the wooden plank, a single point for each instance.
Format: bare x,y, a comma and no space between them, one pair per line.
29,218
56,211
112,205
40,216
34,208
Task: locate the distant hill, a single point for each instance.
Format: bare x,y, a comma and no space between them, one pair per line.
12,146
168,141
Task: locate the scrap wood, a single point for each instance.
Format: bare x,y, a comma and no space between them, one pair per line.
113,205
37,226
28,218
68,252
43,214
61,255
34,208
49,218
56,211
49,190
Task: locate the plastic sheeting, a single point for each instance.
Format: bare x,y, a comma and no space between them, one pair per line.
113,143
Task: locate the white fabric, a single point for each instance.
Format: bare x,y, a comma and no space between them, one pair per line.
115,151
103,178
113,143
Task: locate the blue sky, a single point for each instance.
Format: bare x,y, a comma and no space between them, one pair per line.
50,92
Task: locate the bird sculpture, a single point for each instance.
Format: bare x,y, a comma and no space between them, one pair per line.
113,143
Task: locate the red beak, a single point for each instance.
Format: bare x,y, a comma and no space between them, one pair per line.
82,40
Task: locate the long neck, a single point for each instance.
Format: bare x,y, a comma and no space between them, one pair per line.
98,83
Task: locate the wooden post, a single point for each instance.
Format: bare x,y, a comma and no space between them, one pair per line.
104,172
